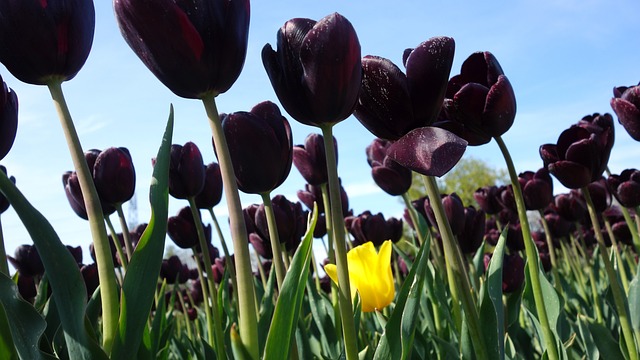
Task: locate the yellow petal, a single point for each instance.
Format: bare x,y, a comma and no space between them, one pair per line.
332,272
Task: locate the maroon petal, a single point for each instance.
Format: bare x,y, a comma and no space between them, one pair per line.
628,116
469,104
571,174
429,151
500,108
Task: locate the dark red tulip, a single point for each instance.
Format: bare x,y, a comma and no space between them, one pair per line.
619,226
45,40
114,176
390,176
27,287
27,261
571,206
8,117
626,104
261,245
291,222
186,171
369,227
261,147
537,189
312,194
600,195
173,270
76,252
626,187
391,103
310,159
112,247
194,48
474,226
454,210
512,271
211,193
72,189
482,100
488,199
90,276
182,229
581,153
558,225
316,70
515,241
4,203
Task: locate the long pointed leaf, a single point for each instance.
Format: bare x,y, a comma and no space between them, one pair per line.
139,284
491,307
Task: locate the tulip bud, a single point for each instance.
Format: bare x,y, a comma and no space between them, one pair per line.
8,118
211,193
626,104
27,261
290,222
114,176
44,40
474,226
173,270
390,176
182,229
368,227
626,187
310,159
512,271
537,189
454,210
571,207
90,276
600,195
186,171
488,199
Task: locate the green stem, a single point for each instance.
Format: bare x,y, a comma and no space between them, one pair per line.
619,262
340,246
457,272
225,250
106,272
552,254
274,237
125,231
246,292
324,188
213,290
116,243
531,253
633,228
205,296
413,214
4,266
619,298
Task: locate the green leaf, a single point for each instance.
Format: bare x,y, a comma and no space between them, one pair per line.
591,350
607,346
7,348
491,306
397,339
634,302
285,318
266,311
140,282
63,273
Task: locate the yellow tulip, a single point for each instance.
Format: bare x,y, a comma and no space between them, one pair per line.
369,274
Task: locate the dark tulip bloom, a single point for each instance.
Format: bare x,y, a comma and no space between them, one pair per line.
581,153
600,195
76,252
368,227
481,99
186,171
261,245
488,199
182,230
4,203
515,241
454,210
114,176
507,199
290,222
8,117
626,104
27,287
316,70
173,270
261,147
626,187
537,189
45,40
72,190
211,193
391,103
512,271
311,161
571,206
90,276
27,261
249,214
194,48
112,248
558,225
474,227
390,176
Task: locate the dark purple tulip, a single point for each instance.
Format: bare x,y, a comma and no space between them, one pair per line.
626,104
537,189
261,147
619,226
581,153
558,225
8,118
45,40
626,187
90,276
368,227
390,176
488,199
600,195
515,241
182,229
290,222
507,199
310,159
316,70
4,203
312,194
211,193
114,176
195,48
27,261
173,270
571,206
454,210
474,226
481,99
112,247
391,103
27,287
76,252
512,271
261,245
186,171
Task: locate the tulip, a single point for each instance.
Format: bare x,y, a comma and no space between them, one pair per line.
311,161
537,189
626,187
626,104
182,229
316,70
27,261
367,227
369,274
43,40
474,226
454,211
194,48
211,193
290,222
391,103
487,198
558,226
600,195
27,287
114,176
173,270
260,144
570,206
90,276
390,176
512,271
481,99
76,252
581,153
72,189
186,171
8,118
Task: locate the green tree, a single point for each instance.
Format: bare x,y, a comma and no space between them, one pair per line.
467,176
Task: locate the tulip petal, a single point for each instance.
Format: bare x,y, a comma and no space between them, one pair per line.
500,108
571,174
430,151
469,105
628,116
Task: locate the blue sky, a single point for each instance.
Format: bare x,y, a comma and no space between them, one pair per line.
562,57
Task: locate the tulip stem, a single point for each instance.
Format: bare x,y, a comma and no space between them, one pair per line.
619,297
218,335
531,252
274,237
227,256
616,251
456,270
633,227
104,260
125,231
116,243
246,292
4,267
340,246
552,253
413,214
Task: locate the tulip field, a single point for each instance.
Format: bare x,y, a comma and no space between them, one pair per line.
523,272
